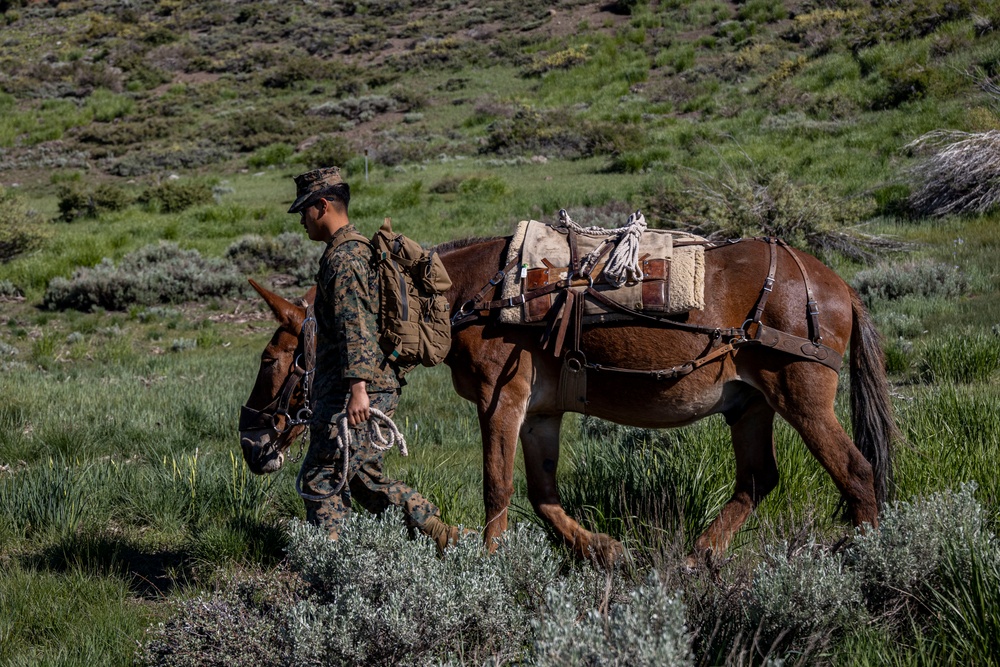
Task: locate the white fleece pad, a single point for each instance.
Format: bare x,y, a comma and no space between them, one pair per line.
533,241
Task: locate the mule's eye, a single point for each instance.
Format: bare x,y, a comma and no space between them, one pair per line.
268,361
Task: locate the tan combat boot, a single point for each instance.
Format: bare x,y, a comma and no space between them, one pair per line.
442,534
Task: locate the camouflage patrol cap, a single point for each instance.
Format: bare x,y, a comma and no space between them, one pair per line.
314,184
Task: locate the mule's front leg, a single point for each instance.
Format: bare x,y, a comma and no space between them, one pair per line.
499,421
540,442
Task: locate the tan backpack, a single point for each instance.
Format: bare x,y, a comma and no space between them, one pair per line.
414,317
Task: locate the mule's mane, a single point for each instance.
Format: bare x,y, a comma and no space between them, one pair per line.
448,246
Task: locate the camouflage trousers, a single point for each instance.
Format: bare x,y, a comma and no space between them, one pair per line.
367,484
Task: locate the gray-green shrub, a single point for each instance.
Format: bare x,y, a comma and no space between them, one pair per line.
329,150
173,196
75,202
925,278
382,599
289,253
271,156
356,109
9,291
901,564
154,274
20,230
649,628
241,623
800,601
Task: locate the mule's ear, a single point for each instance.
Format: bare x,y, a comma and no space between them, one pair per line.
310,295
286,312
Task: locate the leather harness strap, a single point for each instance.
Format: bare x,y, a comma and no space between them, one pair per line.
812,310
765,291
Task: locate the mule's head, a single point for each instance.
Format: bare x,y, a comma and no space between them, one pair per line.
265,432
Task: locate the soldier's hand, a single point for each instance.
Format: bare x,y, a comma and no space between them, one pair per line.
358,407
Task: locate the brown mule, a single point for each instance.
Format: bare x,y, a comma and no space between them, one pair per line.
514,384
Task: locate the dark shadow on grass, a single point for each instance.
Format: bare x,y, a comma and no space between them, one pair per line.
153,573
150,574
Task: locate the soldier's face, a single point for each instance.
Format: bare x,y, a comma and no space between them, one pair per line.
308,218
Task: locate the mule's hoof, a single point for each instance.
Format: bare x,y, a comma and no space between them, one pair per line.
605,551
699,559
690,565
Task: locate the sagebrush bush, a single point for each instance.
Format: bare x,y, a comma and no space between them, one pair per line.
288,253
20,227
76,202
9,291
530,131
382,599
799,601
154,274
255,128
356,109
747,204
144,161
377,597
173,196
649,628
925,278
241,623
329,150
901,563
271,156
919,574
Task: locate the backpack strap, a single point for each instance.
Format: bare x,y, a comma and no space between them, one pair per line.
352,236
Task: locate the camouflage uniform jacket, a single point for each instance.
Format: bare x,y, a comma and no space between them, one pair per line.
347,302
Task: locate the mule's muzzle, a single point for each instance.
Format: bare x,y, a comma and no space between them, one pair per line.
260,441
261,450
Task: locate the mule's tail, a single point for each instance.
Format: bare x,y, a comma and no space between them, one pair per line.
871,408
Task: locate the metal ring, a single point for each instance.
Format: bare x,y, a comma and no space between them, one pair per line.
274,422
590,278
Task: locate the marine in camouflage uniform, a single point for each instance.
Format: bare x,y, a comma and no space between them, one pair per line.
346,309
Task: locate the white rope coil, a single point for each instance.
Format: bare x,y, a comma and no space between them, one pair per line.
393,438
622,266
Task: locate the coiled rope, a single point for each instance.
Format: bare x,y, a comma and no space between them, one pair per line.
622,266
394,438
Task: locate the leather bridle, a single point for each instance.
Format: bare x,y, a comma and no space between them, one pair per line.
300,377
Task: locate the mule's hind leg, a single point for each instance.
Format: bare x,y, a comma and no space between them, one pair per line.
752,429
540,444
810,412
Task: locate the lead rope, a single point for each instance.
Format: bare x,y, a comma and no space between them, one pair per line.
623,264
394,438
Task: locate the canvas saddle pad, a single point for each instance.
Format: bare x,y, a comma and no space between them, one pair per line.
673,277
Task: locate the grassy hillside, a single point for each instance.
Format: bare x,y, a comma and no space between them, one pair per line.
148,143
